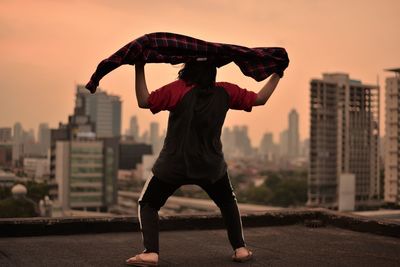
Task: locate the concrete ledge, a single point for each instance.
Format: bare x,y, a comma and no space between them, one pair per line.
79,225
359,223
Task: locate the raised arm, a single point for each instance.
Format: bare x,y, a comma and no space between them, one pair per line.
265,92
142,93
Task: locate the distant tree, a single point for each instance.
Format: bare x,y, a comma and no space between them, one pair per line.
21,207
282,188
272,181
5,192
256,195
37,191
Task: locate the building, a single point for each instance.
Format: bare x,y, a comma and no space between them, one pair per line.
103,109
392,144
293,138
344,132
18,140
36,168
236,142
131,154
267,146
155,137
284,143
133,130
5,135
228,142
79,173
6,147
98,156
44,138
86,172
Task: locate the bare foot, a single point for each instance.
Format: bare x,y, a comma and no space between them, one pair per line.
148,257
242,252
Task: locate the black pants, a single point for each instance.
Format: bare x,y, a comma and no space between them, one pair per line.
156,192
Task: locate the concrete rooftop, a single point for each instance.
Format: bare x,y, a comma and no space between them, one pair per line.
277,239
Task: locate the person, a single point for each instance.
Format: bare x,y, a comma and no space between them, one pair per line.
192,150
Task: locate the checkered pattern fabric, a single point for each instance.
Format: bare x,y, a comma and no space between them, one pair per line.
163,47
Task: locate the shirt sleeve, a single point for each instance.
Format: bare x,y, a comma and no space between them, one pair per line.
239,98
164,98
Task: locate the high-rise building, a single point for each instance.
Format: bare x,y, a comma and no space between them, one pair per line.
104,111
79,173
267,146
18,140
283,143
44,138
242,141
228,142
134,129
6,147
392,144
155,137
293,134
344,132
131,154
78,152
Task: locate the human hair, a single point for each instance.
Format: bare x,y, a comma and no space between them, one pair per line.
200,73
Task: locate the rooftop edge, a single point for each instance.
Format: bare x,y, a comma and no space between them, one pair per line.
314,217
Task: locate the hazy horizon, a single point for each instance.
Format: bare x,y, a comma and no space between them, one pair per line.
47,47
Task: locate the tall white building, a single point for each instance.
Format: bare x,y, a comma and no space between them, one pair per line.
344,132
392,144
293,138
103,109
79,173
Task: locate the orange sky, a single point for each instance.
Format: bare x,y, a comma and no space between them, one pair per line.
49,46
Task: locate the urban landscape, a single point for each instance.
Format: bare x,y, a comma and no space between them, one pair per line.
117,148
87,167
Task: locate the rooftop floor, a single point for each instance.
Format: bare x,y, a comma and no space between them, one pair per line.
289,245
288,237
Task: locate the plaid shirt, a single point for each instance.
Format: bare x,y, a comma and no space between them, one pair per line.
162,47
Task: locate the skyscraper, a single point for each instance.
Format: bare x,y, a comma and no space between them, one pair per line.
103,109
266,144
344,133
83,162
293,134
283,143
44,138
134,128
242,141
154,137
18,134
392,144
6,147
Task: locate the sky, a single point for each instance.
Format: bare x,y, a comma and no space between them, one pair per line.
48,47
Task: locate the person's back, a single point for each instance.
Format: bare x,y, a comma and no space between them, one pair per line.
192,151
198,105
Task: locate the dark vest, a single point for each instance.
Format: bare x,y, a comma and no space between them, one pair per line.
192,149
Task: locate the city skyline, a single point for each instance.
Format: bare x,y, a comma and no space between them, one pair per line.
320,37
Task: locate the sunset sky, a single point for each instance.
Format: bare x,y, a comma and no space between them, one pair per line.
47,47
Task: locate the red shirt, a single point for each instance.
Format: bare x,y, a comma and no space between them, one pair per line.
168,96
192,149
